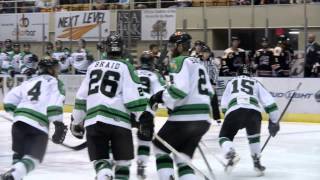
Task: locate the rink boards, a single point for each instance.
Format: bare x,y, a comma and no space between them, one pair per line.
305,106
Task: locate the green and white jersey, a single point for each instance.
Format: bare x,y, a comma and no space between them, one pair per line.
151,82
37,102
15,60
5,61
109,93
63,58
247,92
81,60
188,96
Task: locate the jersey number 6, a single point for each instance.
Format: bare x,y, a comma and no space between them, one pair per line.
109,84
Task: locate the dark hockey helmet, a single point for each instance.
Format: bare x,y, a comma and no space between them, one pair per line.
180,38
47,63
317,96
114,44
147,61
26,45
8,43
205,49
244,70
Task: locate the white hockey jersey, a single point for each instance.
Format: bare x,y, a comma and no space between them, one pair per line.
188,96
63,58
37,101
151,82
80,61
5,62
108,94
247,92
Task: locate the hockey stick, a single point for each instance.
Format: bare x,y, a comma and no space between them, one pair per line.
282,114
179,155
206,161
216,157
75,148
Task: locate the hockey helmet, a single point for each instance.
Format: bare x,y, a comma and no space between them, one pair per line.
16,44
205,49
180,38
114,44
235,38
47,63
147,61
199,43
244,70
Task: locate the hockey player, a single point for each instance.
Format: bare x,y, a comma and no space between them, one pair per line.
233,58
81,59
104,101
152,83
5,57
34,104
241,104
28,61
188,98
263,59
61,55
196,50
15,59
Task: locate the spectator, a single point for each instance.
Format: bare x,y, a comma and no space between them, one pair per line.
28,61
81,59
312,62
233,58
283,56
263,59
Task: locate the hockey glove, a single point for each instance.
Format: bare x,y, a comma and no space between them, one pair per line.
30,72
155,100
146,127
59,133
273,128
77,130
133,121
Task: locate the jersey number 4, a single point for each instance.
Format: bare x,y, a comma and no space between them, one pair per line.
35,92
108,85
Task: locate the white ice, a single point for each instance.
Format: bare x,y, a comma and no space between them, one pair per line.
293,155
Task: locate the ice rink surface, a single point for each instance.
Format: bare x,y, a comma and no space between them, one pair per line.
293,155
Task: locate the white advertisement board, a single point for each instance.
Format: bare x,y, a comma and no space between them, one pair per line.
158,24
24,26
88,25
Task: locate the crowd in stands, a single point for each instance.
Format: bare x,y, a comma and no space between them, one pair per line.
268,61
9,6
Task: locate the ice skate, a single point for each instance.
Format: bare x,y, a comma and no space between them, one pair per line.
7,175
141,170
233,159
257,166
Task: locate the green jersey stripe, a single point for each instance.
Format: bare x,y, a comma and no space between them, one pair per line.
176,93
41,118
137,105
80,104
9,107
108,112
271,108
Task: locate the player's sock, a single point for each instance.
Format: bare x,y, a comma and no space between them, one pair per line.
122,170
143,151
185,172
22,167
164,166
226,145
254,143
103,169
